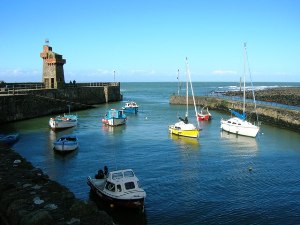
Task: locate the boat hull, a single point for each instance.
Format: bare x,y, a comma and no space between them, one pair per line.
66,143
133,203
114,121
194,133
61,147
239,127
62,122
202,117
131,109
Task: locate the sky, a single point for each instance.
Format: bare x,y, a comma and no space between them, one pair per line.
148,41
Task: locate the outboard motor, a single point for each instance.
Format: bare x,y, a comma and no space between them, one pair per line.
99,175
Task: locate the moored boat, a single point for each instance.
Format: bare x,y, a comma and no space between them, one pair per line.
66,143
118,188
114,117
238,124
183,127
63,122
9,139
204,115
131,107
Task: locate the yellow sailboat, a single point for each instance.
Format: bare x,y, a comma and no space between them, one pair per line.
183,127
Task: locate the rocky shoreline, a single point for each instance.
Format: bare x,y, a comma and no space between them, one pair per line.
29,197
281,95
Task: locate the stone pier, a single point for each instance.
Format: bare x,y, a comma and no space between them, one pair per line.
281,117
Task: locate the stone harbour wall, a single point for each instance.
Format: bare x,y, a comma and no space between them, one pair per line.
281,117
36,103
29,197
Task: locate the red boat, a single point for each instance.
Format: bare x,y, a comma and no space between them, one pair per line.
204,115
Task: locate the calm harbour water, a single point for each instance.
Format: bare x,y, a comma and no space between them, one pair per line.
205,181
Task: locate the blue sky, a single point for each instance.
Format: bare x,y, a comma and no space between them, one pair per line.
149,40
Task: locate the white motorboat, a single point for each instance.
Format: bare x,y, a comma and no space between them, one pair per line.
118,188
66,143
63,122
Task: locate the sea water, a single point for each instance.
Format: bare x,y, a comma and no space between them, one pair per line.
218,179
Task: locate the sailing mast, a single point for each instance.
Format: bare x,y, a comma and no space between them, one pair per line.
244,98
178,91
187,91
189,75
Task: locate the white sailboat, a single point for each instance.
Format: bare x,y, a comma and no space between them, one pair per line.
238,124
183,127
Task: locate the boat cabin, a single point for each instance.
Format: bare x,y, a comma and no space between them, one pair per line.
130,105
115,114
121,181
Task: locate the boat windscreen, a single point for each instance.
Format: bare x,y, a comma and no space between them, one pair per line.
117,175
128,174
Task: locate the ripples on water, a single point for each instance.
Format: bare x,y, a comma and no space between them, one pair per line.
219,179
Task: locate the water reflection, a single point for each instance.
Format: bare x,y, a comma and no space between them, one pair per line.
121,215
240,142
113,130
185,142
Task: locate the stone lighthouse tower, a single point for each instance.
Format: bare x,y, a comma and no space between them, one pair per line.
53,68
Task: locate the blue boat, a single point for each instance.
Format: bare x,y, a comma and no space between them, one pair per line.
9,139
114,117
131,107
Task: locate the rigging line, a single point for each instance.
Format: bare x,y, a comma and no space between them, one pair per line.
244,91
253,95
188,71
187,90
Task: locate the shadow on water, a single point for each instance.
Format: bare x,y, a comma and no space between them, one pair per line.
65,155
120,215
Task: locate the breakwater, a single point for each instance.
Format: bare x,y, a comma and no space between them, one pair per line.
26,104
28,196
281,117
281,95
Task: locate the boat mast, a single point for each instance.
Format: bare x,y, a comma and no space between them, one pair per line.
244,98
187,91
178,82
188,72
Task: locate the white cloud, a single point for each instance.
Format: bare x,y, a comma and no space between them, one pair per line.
20,75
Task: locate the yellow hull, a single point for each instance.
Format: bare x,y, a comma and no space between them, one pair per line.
185,133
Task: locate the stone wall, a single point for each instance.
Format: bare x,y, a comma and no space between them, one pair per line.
36,103
280,117
29,197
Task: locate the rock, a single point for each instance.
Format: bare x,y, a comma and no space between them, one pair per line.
28,196
38,201
74,221
38,217
17,161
